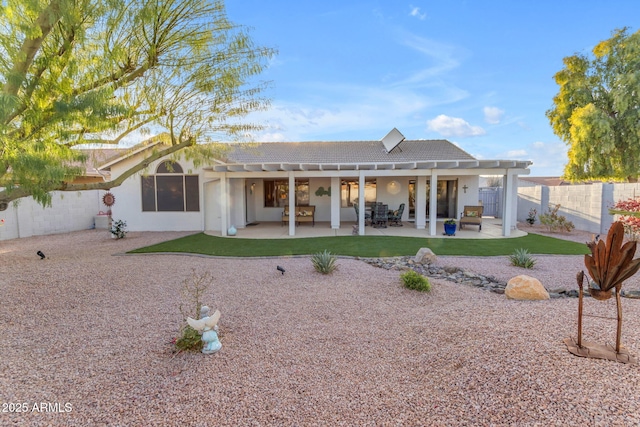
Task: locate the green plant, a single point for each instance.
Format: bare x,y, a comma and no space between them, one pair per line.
531,219
324,262
556,222
415,281
192,294
119,229
522,258
450,221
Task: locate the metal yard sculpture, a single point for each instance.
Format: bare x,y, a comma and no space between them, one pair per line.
609,265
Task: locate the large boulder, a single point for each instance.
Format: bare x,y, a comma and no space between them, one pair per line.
526,288
425,256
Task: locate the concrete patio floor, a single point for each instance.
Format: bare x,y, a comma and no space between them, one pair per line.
491,229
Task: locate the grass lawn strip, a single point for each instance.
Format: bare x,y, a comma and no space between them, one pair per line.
363,246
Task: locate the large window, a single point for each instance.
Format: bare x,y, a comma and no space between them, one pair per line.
276,192
170,190
350,192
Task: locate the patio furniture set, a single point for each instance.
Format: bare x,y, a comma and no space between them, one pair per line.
381,216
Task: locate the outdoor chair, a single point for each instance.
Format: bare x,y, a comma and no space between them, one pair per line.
381,215
471,215
367,217
395,217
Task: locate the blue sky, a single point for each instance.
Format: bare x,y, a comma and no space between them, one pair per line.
478,73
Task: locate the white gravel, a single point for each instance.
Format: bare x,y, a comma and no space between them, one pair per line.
89,335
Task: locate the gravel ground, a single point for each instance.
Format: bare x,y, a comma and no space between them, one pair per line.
86,339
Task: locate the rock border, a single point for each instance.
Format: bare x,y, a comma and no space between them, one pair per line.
468,278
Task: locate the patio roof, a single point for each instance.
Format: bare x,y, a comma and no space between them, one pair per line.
354,155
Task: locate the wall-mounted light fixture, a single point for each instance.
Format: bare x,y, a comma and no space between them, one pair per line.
393,187
252,188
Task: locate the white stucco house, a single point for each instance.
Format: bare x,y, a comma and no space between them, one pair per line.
253,183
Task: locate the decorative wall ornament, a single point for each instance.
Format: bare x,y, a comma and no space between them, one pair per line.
108,199
322,192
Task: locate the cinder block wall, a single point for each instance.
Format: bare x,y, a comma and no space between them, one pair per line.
587,206
69,211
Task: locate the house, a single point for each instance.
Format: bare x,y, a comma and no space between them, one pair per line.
254,182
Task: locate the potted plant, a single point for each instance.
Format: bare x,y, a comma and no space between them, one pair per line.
450,227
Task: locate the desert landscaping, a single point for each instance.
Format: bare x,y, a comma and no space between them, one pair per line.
87,339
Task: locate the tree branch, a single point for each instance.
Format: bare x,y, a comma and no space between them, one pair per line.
17,193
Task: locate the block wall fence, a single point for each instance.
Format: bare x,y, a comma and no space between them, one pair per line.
586,205
69,211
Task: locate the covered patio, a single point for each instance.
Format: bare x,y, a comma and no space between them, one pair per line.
491,229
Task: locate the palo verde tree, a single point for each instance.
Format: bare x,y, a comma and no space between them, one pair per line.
74,72
597,110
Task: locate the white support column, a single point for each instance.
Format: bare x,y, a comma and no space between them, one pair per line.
507,206
292,205
421,202
361,206
433,203
224,204
335,202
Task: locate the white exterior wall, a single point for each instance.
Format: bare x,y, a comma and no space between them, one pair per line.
128,206
69,211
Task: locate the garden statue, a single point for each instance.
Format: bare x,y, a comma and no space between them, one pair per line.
208,327
608,265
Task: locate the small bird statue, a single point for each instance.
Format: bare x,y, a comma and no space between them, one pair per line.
281,269
40,254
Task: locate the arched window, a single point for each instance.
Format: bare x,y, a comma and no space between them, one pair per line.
170,190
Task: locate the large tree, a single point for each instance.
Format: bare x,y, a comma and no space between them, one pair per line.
597,110
74,72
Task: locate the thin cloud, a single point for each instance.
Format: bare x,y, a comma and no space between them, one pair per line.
517,154
453,126
493,115
415,12
443,57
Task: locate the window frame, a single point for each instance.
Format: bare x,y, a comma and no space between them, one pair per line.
276,192
170,179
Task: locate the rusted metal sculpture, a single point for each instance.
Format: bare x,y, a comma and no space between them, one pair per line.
609,265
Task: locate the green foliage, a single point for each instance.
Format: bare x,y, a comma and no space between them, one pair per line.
189,340
74,73
119,229
522,258
324,262
531,218
192,295
415,281
556,222
450,221
597,110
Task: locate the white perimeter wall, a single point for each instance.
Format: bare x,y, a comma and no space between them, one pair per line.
69,211
586,205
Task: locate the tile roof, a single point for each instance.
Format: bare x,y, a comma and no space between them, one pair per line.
346,152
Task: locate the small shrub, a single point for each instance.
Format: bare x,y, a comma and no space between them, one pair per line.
119,229
415,281
189,340
522,258
324,262
556,222
531,219
192,295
